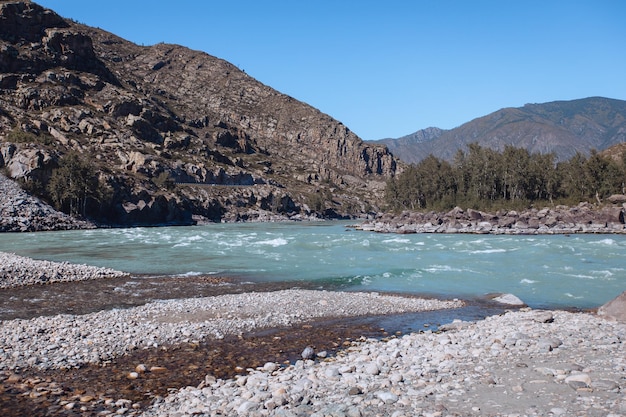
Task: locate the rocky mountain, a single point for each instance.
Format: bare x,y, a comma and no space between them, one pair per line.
174,135
562,127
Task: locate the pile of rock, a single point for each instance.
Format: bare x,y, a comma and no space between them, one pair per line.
21,212
16,271
583,218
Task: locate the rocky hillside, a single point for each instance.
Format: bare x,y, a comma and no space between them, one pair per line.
173,135
562,127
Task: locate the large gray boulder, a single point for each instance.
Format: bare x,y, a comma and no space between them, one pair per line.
614,309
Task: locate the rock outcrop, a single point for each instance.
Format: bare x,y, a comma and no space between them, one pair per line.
163,119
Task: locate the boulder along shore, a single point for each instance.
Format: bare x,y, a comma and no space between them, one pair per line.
525,362
583,218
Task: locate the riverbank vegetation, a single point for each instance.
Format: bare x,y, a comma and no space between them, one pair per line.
485,179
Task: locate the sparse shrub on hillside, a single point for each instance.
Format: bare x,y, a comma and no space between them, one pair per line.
318,201
17,135
32,186
73,184
164,181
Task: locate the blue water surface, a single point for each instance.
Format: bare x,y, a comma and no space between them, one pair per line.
556,271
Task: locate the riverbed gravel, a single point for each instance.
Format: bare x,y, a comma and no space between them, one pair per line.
524,363
66,341
18,271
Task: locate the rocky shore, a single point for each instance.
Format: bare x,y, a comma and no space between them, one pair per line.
522,363
21,212
525,363
583,218
16,271
65,341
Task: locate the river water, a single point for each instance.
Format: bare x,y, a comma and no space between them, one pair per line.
579,271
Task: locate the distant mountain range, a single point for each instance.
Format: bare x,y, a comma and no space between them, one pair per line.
562,127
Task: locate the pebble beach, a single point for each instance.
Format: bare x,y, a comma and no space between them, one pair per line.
522,363
17,271
527,363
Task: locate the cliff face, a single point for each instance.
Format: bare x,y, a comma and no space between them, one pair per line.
168,128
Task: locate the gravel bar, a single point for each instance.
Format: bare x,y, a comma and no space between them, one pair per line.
524,363
66,341
16,271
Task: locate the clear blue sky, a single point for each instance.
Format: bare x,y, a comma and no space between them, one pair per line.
387,69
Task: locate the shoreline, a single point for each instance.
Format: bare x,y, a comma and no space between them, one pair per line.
581,219
521,363
17,271
30,343
530,362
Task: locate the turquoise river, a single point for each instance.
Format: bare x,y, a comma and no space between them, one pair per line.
581,271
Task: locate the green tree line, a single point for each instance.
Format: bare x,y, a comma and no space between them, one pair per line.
483,179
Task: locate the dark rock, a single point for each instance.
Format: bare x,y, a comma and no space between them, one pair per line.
583,218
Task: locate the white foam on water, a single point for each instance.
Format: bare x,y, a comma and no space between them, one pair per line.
581,276
527,281
441,268
194,274
604,275
605,242
570,295
477,241
230,244
487,251
397,240
279,241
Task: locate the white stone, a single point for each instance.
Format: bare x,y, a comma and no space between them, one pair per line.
509,299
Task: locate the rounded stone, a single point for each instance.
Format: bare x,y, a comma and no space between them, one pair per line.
372,369
308,353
